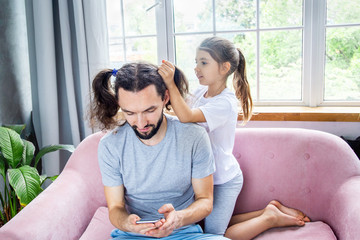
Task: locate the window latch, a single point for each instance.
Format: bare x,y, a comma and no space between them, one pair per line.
156,4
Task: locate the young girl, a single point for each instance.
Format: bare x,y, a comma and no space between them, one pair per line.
215,107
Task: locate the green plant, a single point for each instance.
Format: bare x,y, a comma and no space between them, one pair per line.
18,167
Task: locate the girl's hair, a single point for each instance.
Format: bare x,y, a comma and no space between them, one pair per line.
132,77
222,50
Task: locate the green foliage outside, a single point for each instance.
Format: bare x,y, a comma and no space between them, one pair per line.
280,53
281,50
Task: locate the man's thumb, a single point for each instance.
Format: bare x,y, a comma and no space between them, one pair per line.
166,208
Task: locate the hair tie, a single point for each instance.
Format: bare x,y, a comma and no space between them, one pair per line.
114,72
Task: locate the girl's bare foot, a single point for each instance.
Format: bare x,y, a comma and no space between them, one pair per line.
277,218
290,211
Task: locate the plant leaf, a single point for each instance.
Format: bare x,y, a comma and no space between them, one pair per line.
16,127
11,146
28,154
2,166
53,148
26,183
43,178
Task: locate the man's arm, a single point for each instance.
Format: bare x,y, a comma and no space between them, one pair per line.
198,210
203,204
118,215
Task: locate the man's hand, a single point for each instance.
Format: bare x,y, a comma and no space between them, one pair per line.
120,218
167,71
142,228
172,221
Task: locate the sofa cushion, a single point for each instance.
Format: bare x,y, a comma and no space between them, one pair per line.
313,230
99,227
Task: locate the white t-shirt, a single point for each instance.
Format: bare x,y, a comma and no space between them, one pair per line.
221,118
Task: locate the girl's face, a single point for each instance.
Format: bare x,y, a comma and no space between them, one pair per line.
207,69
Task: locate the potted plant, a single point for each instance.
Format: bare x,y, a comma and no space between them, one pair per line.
18,167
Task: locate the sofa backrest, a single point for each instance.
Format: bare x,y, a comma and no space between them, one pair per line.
84,161
301,168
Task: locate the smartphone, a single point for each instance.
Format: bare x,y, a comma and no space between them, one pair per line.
147,221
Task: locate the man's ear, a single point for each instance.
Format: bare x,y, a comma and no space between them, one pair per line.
166,97
225,67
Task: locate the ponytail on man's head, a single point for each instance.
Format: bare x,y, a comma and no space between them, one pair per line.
181,82
242,88
104,105
132,77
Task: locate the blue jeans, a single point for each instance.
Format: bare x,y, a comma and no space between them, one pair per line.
192,232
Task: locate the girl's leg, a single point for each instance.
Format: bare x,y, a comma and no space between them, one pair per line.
245,216
289,211
249,225
225,196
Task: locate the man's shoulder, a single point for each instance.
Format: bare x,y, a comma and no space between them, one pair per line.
115,134
185,128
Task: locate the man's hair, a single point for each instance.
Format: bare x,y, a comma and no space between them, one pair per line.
132,77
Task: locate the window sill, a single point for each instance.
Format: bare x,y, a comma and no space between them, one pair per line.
325,114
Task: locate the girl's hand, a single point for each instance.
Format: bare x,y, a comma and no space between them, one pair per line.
167,71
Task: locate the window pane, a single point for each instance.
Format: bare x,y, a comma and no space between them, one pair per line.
235,15
342,69
193,16
141,49
116,52
280,13
280,65
137,20
185,56
246,42
113,14
343,11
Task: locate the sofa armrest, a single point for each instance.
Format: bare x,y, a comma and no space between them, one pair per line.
60,212
344,210
65,208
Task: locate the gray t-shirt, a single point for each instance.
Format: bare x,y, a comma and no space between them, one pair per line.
156,175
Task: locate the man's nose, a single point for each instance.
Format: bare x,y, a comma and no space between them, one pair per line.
141,121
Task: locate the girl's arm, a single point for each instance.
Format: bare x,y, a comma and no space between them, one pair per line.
181,109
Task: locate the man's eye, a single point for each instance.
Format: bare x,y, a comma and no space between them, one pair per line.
203,63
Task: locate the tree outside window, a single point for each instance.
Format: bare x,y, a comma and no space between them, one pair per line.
286,60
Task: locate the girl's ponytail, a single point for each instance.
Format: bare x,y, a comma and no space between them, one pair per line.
242,88
104,105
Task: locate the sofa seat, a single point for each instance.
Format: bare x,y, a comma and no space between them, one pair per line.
312,230
100,229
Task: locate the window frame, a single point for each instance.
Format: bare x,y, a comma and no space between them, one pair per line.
313,48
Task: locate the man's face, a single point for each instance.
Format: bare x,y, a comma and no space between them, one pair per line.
143,110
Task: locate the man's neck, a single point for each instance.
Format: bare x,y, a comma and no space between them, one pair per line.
159,136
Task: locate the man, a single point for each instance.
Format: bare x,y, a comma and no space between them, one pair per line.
154,167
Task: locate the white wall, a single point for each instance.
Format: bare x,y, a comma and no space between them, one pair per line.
350,130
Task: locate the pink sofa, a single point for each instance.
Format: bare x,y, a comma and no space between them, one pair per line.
310,170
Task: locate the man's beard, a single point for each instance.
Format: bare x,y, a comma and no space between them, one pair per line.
155,129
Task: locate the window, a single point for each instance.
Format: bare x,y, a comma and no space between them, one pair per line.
298,52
